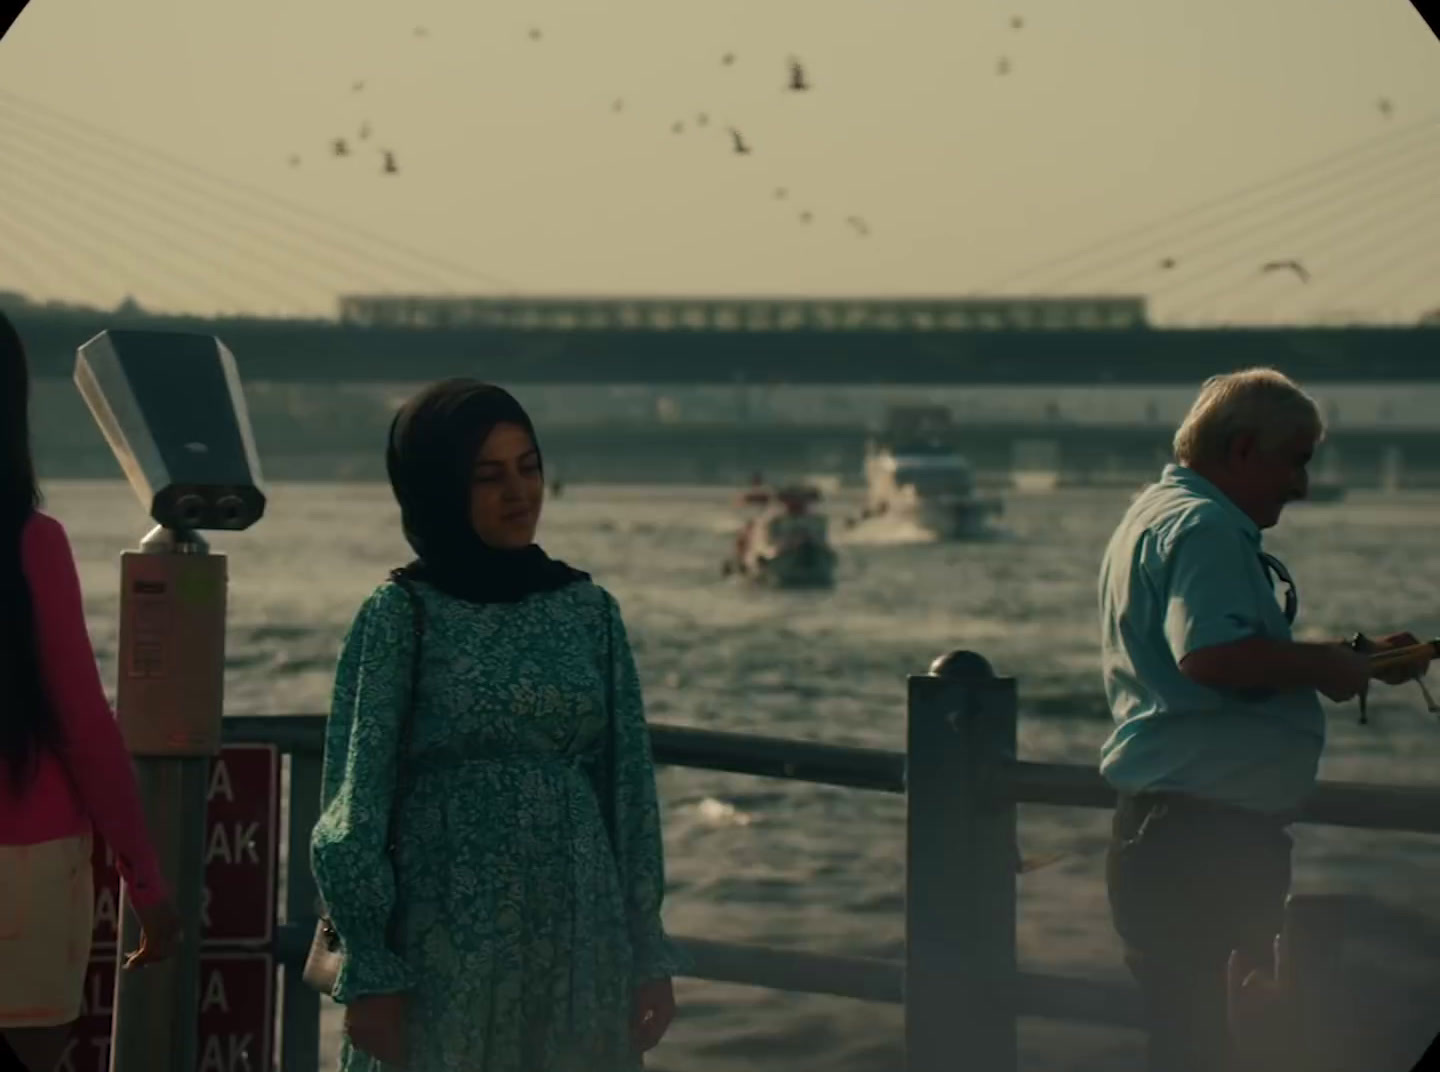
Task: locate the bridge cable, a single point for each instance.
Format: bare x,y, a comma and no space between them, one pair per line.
1381,243
1362,229
1264,208
45,224
268,202
1225,201
164,241
207,198
199,224
1309,216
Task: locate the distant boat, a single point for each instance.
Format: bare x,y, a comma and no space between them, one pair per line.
914,474
786,546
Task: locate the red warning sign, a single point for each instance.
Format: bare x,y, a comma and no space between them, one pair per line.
237,1012
241,853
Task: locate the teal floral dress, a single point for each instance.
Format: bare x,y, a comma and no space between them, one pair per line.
528,873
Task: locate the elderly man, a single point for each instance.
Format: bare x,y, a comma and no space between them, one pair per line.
1218,726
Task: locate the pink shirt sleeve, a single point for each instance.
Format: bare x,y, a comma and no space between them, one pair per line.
95,752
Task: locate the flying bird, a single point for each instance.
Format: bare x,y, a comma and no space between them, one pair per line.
358,86
1017,23
618,106
781,193
741,146
1288,266
364,131
728,59
797,77
859,225
391,168
702,120
1385,107
806,217
1003,67
677,128
1167,264
535,33
294,161
339,147
421,31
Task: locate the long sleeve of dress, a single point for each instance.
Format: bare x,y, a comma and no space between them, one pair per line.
349,847
94,750
638,845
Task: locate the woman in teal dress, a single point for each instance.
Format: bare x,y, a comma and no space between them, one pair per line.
514,925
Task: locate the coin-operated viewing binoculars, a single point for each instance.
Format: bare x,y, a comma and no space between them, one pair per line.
172,409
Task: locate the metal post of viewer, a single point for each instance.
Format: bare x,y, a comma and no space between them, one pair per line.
171,408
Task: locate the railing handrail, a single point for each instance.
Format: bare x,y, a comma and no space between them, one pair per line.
1365,805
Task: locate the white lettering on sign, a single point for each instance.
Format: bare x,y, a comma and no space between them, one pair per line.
95,998
232,845
214,997
220,782
107,912
228,1054
67,1059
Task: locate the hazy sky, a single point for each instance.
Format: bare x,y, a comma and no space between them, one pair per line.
513,163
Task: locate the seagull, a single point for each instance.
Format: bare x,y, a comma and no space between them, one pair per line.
339,147
1288,266
1385,107
1167,264
618,106
391,168
364,131
294,161
781,193
728,59
1003,67
678,128
806,217
358,86
535,33
741,146
797,77
702,120
420,31
860,228
1017,23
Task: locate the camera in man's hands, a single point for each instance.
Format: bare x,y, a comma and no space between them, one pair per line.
172,409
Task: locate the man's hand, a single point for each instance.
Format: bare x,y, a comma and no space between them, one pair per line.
1259,1008
377,1025
1341,674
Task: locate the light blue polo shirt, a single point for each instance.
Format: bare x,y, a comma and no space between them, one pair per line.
1183,572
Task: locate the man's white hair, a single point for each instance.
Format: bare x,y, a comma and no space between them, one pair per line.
1261,402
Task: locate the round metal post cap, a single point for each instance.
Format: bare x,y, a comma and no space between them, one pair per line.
962,664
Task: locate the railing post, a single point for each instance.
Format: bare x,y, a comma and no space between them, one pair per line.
961,855
300,1015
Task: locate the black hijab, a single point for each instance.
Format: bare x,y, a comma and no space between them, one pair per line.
431,457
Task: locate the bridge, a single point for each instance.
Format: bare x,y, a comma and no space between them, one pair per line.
756,350
89,211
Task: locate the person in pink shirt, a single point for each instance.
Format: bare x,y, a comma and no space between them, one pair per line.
64,770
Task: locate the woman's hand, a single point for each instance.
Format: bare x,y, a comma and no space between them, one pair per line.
377,1025
160,933
651,1012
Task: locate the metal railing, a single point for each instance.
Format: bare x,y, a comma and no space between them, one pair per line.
962,780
